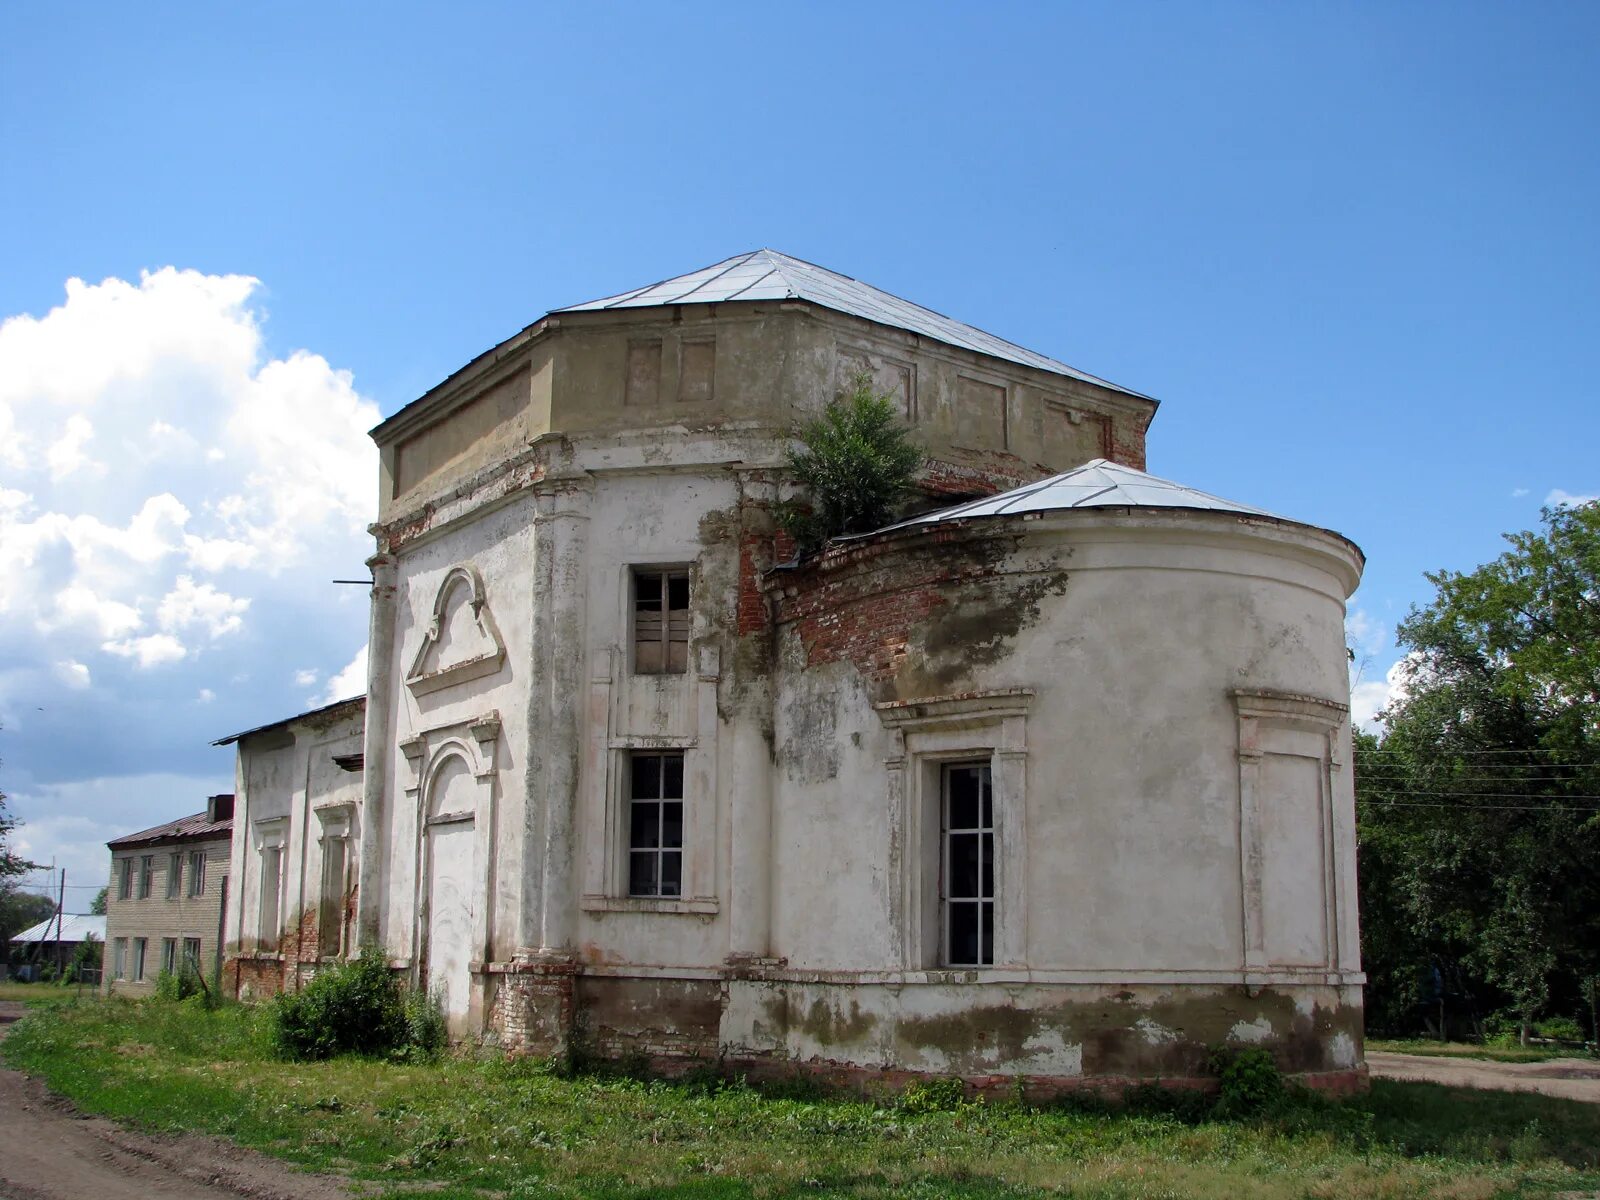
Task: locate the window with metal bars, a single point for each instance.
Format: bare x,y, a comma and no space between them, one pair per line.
966,874
660,621
655,825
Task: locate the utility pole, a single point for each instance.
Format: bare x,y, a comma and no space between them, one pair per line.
61,900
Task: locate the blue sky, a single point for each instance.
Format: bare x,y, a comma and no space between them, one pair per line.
1352,249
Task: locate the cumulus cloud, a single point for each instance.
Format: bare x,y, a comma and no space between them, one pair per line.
175,495
227,463
350,681
1558,497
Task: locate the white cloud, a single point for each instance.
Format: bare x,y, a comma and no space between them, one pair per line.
1518,493
150,651
188,604
351,681
306,676
74,675
66,453
206,696
230,463
1558,497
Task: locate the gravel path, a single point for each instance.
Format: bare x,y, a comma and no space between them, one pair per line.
49,1151
1567,1078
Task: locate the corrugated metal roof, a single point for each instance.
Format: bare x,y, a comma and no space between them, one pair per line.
74,928
197,826
1097,484
771,275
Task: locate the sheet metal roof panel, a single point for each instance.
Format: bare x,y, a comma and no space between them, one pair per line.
1097,484
771,275
75,927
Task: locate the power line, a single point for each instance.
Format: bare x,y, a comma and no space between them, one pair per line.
1540,808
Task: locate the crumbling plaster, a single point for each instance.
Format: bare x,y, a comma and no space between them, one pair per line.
1121,670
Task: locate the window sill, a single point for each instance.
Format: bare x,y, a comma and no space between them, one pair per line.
650,904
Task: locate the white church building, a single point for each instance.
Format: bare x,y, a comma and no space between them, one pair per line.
1050,779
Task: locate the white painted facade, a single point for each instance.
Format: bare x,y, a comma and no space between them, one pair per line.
1154,698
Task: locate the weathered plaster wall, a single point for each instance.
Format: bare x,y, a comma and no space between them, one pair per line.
287,784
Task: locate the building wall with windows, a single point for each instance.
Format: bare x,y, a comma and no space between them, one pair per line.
298,784
166,897
1057,794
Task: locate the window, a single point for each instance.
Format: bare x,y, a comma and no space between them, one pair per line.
661,622
169,955
271,869
655,825
197,872
139,947
174,875
147,875
125,879
330,924
966,875
191,953
120,957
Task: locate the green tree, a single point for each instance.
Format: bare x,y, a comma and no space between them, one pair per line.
855,463
97,906
1479,816
17,908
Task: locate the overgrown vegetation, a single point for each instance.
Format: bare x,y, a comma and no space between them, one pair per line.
855,464
354,1007
1479,808
461,1127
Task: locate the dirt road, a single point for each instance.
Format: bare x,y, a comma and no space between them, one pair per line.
48,1151
1567,1078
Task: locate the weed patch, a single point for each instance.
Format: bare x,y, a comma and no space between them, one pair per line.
460,1126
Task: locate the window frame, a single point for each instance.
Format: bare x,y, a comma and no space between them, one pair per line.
928,733
125,877
634,809
984,894
141,955
197,874
191,952
174,875
119,958
667,574
169,955
147,875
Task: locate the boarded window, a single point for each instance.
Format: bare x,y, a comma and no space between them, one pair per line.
271,870
655,825
660,622
174,875
697,370
644,374
330,922
966,889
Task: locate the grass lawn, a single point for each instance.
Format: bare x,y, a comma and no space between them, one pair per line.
470,1127
44,993
1508,1054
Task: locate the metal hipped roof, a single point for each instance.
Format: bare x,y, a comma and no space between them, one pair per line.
74,928
770,275
1097,484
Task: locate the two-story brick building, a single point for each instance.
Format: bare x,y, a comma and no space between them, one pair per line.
168,891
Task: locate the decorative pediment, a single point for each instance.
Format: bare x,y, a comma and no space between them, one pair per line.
462,642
